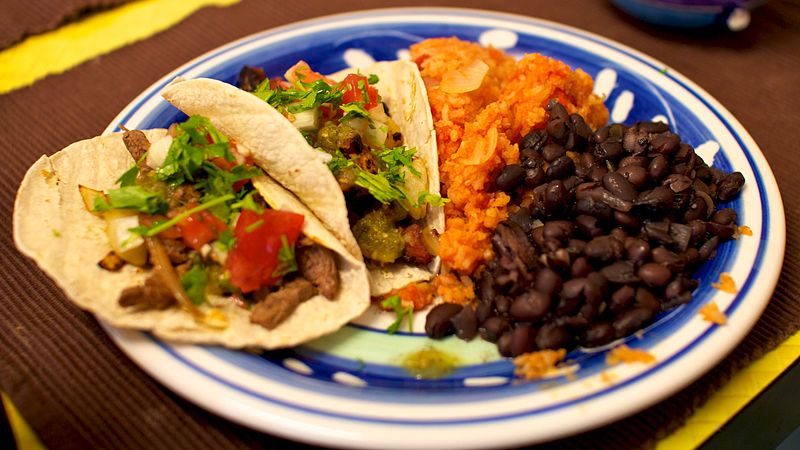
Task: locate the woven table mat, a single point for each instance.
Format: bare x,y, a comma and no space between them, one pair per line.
22,18
77,389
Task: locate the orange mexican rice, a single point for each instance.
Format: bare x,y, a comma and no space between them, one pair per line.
478,131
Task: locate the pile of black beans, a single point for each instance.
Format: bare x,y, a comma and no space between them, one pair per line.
604,232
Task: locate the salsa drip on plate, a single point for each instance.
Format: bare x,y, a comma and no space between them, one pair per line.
188,209
383,180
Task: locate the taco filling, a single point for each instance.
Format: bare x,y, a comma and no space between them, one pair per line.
384,180
188,209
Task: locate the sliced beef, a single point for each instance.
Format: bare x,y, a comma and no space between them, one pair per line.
136,143
152,295
278,305
250,78
415,250
184,194
318,265
177,251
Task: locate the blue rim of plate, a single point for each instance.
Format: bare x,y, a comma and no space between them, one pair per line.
727,253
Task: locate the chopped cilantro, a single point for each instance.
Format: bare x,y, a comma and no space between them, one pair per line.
227,239
254,226
353,110
194,282
132,197
396,158
248,203
339,162
431,199
303,97
373,78
379,186
129,177
196,141
401,313
286,259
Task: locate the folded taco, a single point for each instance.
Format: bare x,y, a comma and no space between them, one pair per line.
357,147
178,232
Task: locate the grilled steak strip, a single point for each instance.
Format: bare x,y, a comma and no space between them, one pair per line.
318,266
278,305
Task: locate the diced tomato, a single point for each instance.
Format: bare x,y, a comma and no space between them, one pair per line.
355,93
199,229
302,72
254,258
223,163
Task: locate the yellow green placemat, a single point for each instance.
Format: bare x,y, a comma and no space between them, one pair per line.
64,48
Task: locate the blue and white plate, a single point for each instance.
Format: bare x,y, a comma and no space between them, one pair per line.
350,389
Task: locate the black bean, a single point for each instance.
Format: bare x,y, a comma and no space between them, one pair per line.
597,172
616,131
622,298
663,256
548,281
646,299
696,210
537,236
555,197
492,328
730,186
553,336
658,168
504,343
609,150
636,175
560,260
723,231
486,291
575,246
665,144
502,304
626,219
534,140
523,218
552,152
597,334
654,274
635,141
510,177
580,127
557,110
631,320
483,312
621,272
725,216
523,340
531,159
601,134
618,185
634,160
558,229
557,129
619,234
530,306
614,202
561,168
437,322
637,250
658,231
604,249
656,200
465,323
588,225
653,127
677,182
580,267
681,236
592,207
571,182
534,176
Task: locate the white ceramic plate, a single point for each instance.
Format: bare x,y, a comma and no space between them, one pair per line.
350,390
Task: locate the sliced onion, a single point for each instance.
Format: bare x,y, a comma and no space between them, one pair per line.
465,79
162,267
89,197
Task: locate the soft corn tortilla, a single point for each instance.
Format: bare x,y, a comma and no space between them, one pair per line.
53,227
277,146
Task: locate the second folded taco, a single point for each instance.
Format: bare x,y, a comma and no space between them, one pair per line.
358,147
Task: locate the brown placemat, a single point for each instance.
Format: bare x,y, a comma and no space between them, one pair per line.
78,390
22,18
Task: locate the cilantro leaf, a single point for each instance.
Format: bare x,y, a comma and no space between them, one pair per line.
395,304
248,203
353,110
195,142
129,177
133,197
287,262
373,78
379,186
431,199
398,157
227,239
194,283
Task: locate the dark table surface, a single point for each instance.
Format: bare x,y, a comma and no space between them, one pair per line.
78,390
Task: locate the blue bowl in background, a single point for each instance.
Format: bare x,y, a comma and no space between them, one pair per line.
731,14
